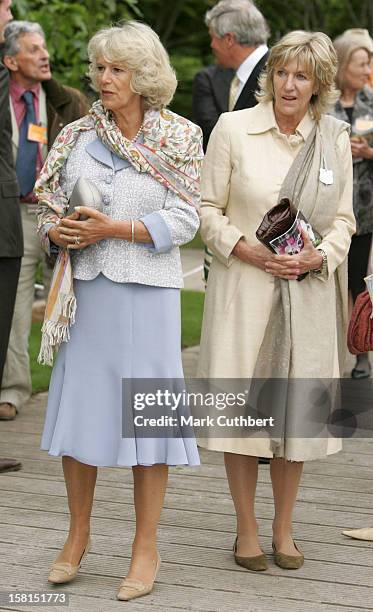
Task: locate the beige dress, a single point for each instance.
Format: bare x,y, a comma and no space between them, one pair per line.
245,165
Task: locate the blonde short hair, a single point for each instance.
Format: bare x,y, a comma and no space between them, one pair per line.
136,47
315,52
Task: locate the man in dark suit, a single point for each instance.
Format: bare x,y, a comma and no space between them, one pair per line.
11,243
239,34
210,97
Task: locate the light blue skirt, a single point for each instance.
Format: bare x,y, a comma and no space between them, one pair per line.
122,330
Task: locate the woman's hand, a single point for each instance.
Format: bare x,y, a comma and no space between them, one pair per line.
284,266
360,148
291,266
77,234
54,233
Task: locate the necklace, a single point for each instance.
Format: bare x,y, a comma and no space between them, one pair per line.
133,140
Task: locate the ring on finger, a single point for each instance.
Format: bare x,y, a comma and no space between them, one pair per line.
77,239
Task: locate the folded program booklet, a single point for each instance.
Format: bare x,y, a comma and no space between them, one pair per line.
291,241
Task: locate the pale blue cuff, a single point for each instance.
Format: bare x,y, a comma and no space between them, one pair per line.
159,231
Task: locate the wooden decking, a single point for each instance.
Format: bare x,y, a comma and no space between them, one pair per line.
196,534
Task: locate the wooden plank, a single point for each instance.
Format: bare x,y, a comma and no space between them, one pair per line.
233,580
114,489
319,561
195,536
352,553
104,506
191,480
188,598
214,469
192,523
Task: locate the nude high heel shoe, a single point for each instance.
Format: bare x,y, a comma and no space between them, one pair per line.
64,571
131,588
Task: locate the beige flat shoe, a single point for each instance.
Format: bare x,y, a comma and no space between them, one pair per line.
64,571
366,533
130,588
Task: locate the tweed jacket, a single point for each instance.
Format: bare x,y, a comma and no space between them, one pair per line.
128,194
363,169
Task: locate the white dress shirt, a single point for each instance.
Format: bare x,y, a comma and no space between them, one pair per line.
245,69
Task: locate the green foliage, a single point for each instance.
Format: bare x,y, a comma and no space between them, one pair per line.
180,25
68,27
330,16
186,66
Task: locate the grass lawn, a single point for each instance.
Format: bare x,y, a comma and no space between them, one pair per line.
40,374
191,319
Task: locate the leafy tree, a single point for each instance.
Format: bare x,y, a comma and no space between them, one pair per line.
180,25
68,27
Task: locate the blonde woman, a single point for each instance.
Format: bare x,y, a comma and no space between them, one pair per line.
120,270
259,321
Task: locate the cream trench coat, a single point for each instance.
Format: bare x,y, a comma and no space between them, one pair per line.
246,162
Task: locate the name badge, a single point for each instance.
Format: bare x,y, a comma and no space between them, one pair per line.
326,176
37,133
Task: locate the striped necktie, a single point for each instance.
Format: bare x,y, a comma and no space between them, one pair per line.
27,149
233,92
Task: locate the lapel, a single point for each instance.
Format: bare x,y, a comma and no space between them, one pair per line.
247,98
15,131
98,151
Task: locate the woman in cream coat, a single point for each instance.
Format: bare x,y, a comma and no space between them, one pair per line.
258,321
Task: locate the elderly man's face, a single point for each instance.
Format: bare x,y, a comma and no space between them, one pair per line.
221,49
31,63
293,88
113,83
5,14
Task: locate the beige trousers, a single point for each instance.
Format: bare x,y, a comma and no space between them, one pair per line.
16,385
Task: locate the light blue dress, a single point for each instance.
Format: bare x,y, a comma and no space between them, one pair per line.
122,330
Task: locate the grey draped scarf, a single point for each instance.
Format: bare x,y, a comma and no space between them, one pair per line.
307,324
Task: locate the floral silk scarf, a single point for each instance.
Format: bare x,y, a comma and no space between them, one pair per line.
171,153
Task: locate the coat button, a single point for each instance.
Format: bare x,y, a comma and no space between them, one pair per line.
106,200
109,179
